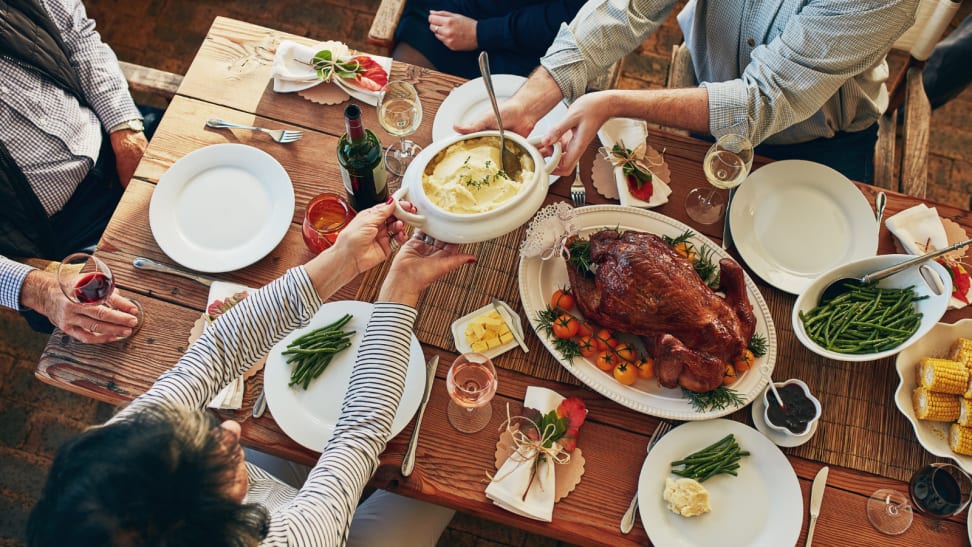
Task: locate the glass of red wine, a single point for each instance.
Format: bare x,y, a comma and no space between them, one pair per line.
938,490
85,279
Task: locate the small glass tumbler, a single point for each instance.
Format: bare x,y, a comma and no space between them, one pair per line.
324,218
471,382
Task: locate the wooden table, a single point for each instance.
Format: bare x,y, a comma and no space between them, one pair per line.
230,79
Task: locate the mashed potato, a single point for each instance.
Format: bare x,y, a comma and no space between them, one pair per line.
686,497
468,177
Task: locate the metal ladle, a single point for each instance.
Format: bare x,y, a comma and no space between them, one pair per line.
843,285
511,164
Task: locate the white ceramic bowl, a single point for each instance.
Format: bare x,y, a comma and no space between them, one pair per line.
806,391
933,436
931,308
471,228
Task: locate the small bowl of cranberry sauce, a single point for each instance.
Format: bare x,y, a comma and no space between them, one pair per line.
800,408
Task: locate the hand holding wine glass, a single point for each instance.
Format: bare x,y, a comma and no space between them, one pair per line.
726,165
400,113
86,280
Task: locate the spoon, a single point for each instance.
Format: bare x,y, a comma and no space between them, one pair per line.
840,286
511,165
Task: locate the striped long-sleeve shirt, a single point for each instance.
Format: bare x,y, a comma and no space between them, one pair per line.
779,71
320,512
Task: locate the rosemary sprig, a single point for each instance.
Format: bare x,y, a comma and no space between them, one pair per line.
757,345
580,257
567,348
717,399
703,264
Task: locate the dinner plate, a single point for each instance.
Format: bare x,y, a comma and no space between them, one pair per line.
766,490
933,436
308,417
792,220
540,278
222,207
469,101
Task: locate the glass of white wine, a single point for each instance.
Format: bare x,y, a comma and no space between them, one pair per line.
471,383
400,113
726,165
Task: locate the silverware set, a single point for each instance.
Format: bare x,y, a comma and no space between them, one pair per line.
283,136
628,519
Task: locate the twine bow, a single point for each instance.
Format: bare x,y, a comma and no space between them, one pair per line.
530,450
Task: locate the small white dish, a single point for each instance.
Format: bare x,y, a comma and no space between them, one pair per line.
779,439
459,331
806,391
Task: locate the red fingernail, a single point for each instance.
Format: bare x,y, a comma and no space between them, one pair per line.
471,261
390,200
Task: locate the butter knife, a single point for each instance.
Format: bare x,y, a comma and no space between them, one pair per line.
150,265
408,462
514,324
816,499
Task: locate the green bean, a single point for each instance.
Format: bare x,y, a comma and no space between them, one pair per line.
720,457
311,353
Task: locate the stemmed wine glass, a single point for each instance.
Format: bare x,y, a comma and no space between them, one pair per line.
726,165
471,382
85,279
400,113
938,489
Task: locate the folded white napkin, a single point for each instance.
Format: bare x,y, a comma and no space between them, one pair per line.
632,133
918,229
506,489
231,396
292,68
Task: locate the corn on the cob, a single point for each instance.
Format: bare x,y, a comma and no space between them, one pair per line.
943,375
965,412
931,405
960,439
961,351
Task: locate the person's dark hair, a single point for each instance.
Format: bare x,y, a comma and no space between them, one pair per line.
159,478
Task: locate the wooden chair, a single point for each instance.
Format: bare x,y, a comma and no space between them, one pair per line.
382,34
151,81
908,93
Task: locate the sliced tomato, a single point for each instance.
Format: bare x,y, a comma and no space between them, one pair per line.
371,77
640,189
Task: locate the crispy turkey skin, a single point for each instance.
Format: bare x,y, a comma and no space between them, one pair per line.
644,287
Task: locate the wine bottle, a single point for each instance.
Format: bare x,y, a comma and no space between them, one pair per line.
362,162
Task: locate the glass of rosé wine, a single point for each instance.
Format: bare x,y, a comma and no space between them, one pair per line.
471,382
85,279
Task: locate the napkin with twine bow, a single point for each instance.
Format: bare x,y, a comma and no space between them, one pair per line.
537,455
919,230
358,76
625,151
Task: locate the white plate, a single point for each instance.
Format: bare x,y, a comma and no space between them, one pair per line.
931,308
792,220
459,331
308,417
469,101
779,439
222,207
932,435
539,279
766,490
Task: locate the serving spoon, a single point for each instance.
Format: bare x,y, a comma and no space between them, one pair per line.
845,284
511,164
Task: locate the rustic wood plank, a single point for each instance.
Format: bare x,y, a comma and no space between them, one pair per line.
382,31
143,79
914,140
884,150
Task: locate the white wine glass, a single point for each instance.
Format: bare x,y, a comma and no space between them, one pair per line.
85,279
726,165
471,383
400,113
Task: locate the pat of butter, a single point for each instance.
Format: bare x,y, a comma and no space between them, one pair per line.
487,331
686,497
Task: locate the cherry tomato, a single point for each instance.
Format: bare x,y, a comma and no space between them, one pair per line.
625,351
686,250
584,328
625,373
606,361
646,368
744,362
563,299
730,376
565,326
587,346
603,339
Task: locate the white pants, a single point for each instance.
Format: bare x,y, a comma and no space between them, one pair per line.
384,519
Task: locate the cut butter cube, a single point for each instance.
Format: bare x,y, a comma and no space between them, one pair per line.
506,336
479,346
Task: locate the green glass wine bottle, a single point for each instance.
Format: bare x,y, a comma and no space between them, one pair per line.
362,162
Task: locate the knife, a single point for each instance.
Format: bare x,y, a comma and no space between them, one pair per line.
150,265
513,325
408,462
816,499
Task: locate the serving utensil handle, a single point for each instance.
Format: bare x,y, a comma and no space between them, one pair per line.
488,80
881,274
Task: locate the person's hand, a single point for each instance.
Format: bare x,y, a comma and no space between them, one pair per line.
521,112
456,32
417,265
366,241
129,146
578,128
89,324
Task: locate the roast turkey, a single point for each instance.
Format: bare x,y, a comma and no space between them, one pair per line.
642,286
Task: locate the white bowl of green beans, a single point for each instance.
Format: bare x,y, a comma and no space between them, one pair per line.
877,320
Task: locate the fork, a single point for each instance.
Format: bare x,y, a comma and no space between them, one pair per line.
279,135
578,194
627,520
